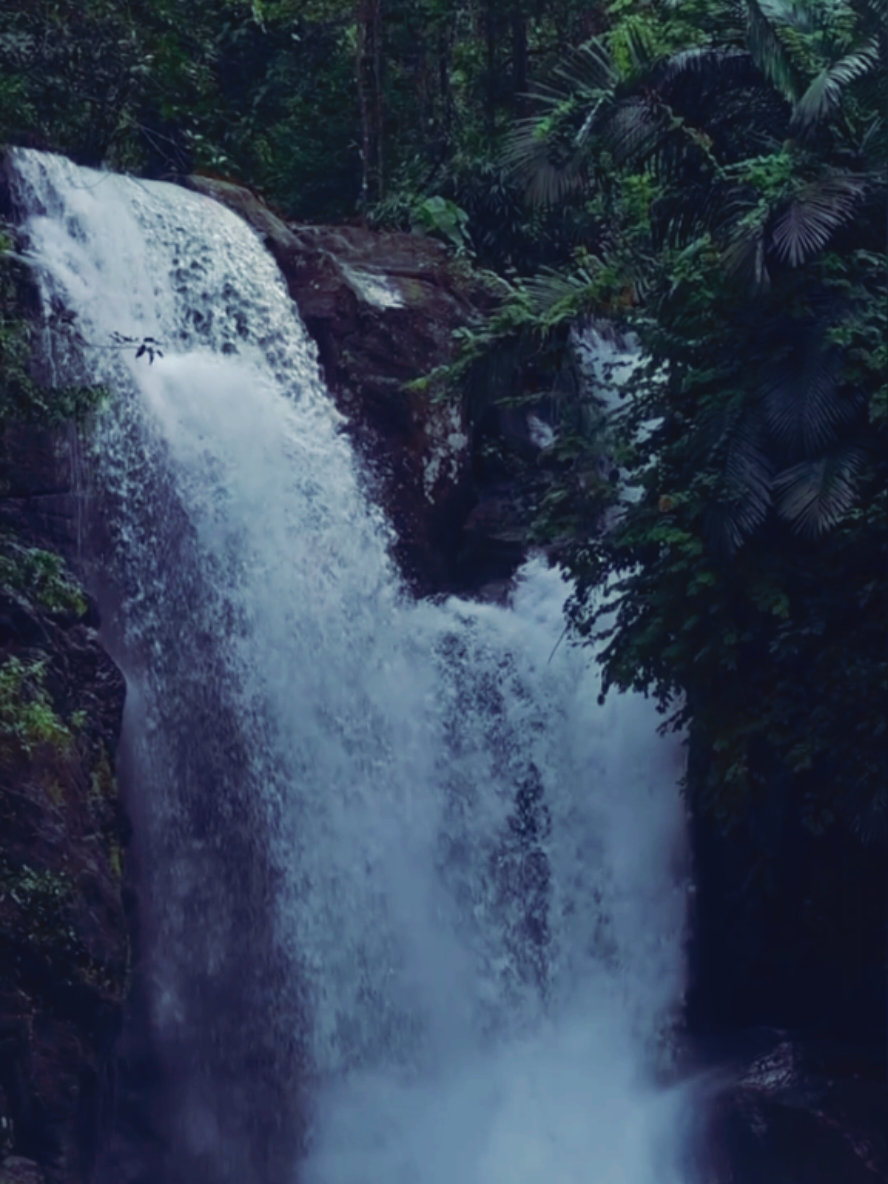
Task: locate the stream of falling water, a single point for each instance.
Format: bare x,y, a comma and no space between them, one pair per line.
411,902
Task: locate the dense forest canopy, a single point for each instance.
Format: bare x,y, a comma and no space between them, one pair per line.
288,94
710,176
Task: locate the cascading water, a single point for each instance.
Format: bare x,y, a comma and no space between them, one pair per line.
411,902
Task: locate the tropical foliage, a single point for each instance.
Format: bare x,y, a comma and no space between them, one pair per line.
733,157
707,175
322,104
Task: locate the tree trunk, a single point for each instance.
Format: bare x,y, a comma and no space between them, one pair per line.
369,79
519,57
490,31
445,53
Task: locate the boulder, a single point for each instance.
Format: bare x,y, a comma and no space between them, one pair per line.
383,309
797,1113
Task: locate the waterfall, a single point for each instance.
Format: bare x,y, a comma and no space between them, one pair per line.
411,901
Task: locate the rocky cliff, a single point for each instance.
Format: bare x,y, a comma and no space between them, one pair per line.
385,309
64,942
64,947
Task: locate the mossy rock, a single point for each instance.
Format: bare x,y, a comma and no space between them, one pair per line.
64,946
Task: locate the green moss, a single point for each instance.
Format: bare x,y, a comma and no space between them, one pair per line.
28,720
115,859
35,908
38,909
102,792
41,578
41,891
103,784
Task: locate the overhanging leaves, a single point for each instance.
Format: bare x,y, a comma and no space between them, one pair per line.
824,95
819,208
768,51
814,494
804,405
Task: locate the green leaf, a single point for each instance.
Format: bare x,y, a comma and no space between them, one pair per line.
824,94
818,210
767,50
814,494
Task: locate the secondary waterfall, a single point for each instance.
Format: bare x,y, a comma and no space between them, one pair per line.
411,902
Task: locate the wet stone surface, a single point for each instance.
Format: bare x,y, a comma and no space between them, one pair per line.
798,1113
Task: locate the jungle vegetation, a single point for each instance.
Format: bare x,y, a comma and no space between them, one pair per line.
710,177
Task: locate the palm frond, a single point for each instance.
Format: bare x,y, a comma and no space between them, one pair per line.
735,431
874,145
873,14
744,258
597,108
543,158
716,65
587,70
749,472
803,403
545,150
639,44
679,223
550,289
767,50
816,212
799,15
635,128
727,524
824,95
814,494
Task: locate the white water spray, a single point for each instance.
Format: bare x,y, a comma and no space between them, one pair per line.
412,902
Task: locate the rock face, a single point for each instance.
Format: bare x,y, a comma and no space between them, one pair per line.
37,482
797,1114
64,951
64,945
460,482
789,928
383,309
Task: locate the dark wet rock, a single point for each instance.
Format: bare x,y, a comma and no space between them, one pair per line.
461,481
37,483
797,1113
64,948
383,309
789,926
789,934
64,945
